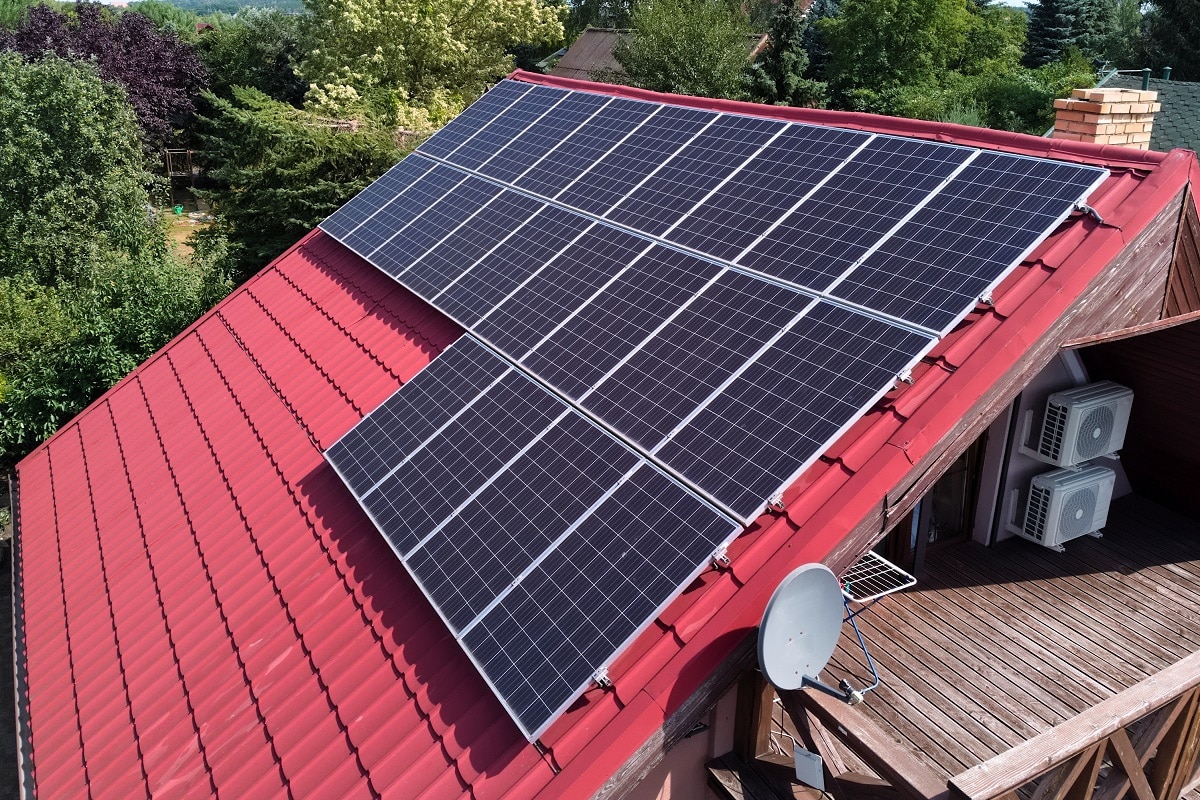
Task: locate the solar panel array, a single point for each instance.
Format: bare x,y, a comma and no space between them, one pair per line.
691,305
544,541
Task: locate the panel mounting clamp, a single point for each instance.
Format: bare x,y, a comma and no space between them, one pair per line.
905,377
775,503
1087,210
601,678
720,557
986,299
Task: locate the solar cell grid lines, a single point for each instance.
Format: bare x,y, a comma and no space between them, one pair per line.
494,496
769,184
641,298
451,257
824,236
438,220
778,414
374,197
509,124
551,294
607,578
478,114
584,146
967,238
514,158
606,181
667,377
508,265
700,166
429,183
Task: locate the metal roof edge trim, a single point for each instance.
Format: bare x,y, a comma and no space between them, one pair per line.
951,133
24,731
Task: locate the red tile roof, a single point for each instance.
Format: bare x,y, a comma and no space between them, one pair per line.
205,610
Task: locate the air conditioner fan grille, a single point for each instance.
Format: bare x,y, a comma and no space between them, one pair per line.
1094,436
1078,512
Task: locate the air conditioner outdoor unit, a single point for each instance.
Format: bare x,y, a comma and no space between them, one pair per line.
1067,503
1084,423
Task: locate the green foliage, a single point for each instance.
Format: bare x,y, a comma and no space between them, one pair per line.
1058,26
256,48
168,17
597,13
88,288
1126,46
279,171
412,62
1173,37
695,47
71,172
812,39
95,333
995,39
878,46
1018,99
778,76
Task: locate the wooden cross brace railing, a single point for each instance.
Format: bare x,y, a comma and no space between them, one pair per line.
1147,735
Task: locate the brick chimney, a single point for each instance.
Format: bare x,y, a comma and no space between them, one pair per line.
1106,116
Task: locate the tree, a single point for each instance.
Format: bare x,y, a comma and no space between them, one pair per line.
995,39
1126,46
71,172
168,17
1173,31
812,38
778,76
256,48
160,74
880,45
695,47
279,171
412,61
1057,26
88,288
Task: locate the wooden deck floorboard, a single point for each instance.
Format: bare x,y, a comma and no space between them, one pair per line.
996,645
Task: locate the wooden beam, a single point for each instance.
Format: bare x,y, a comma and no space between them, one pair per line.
894,764
1084,784
1135,330
1170,750
1039,755
752,720
1123,755
1057,783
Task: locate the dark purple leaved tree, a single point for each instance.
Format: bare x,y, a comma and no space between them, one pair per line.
161,74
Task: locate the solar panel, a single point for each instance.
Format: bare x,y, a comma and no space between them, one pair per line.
677,312
475,117
779,413
700,166
839,222
969,236
505,126
603,183
765,187
584,146
506,504
520,153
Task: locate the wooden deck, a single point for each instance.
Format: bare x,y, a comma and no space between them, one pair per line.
996,645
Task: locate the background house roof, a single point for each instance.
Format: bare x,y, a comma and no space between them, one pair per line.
592,52
1178,123
203,608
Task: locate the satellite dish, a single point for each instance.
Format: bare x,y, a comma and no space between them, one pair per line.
801,627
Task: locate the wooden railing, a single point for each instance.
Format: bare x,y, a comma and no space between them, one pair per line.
1141,743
